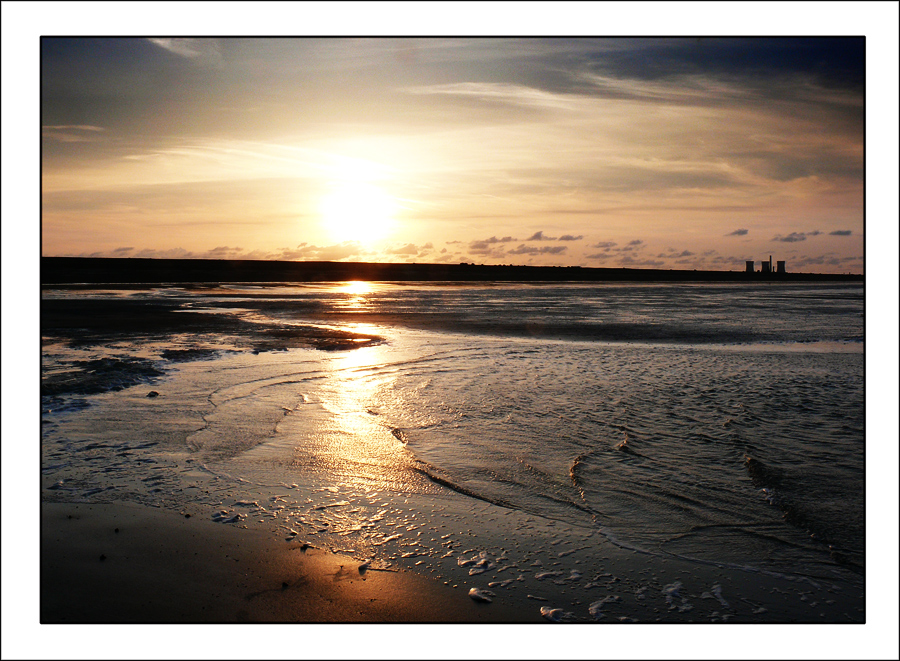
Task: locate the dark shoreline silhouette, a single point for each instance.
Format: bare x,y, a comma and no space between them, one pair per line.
102,270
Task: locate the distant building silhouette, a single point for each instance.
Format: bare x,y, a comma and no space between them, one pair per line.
765,267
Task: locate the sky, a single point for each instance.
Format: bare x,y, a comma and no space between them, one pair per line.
672,153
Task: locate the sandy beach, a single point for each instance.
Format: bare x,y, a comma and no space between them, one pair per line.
124,563
146,520
129,563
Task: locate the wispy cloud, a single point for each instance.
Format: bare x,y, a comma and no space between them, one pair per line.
72,132
674,254
73,127
533,250
201,50
793,237
224,251
692,90
186,47
539,236
191,161
628,260
740,232
304,251
571,237
519,95
828,260
408,249
169,253
335,252
841,233
490,247
494,240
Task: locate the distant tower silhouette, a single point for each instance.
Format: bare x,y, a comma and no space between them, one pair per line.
766,266
781,268
750,266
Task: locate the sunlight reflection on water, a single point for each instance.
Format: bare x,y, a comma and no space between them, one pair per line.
354,441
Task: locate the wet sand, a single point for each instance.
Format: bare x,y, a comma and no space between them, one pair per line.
125,563
122,563
164,567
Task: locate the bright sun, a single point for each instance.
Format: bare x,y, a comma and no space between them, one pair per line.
357,211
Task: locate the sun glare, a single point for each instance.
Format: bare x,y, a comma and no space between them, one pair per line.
357,211
356,287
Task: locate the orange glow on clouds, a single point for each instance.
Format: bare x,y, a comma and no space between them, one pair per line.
326,149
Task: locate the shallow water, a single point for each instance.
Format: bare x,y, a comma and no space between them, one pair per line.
718,423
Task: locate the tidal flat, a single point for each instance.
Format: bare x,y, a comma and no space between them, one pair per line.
318,454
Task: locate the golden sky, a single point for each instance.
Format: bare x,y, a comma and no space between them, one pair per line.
683,153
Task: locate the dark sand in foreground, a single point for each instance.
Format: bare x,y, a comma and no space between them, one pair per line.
163,567
121,563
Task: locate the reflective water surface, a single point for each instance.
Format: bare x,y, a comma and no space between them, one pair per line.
720,423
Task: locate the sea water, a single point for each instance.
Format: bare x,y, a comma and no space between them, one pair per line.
722,424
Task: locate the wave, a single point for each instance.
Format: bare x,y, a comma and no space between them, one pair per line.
778,489
430,472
